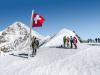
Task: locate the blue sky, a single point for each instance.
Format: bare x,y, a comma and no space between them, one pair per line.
82,16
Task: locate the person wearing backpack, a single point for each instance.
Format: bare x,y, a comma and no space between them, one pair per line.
35,46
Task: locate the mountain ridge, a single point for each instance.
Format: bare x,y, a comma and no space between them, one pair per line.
14,35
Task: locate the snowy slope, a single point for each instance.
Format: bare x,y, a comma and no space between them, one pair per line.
55,61
57,40
86,62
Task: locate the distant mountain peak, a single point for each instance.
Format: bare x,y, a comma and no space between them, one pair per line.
19,24
57,40
63,31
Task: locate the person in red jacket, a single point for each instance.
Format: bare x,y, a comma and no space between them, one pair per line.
75,42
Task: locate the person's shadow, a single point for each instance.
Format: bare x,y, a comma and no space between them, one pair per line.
22,55
63,47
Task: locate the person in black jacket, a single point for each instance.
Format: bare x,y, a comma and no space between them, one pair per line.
35,45
71,41
96,40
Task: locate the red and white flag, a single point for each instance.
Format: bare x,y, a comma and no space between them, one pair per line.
37,20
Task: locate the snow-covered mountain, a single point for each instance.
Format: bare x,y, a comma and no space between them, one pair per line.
16,35
57,40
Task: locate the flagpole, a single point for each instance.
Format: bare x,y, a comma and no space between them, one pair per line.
30,33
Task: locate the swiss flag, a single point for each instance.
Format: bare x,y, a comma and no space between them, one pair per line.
37,20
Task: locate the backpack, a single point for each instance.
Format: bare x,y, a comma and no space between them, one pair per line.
36,42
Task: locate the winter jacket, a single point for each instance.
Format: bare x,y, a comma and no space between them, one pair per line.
68,39
75,40
64,39
35,44
71,40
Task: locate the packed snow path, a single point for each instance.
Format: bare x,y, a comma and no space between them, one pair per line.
54,61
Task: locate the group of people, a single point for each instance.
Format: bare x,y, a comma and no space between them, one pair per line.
70,41
97,40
